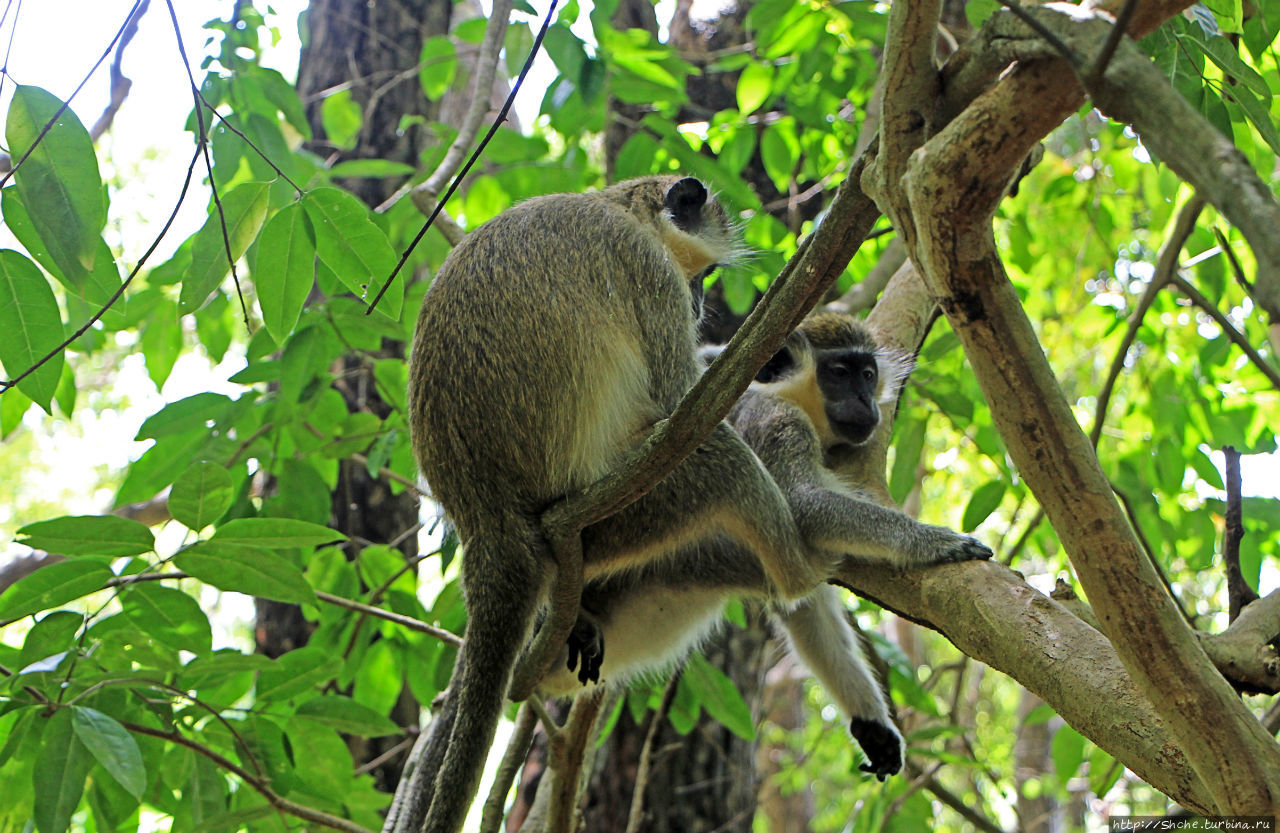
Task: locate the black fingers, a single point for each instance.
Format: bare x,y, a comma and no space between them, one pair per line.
971,549
880,743
586,642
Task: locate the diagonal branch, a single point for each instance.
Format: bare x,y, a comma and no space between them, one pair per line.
817,263
953,189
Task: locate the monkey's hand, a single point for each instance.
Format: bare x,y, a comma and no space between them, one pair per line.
968,548
882,745
946,546
586,642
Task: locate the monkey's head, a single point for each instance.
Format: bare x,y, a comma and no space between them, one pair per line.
693,225
833,369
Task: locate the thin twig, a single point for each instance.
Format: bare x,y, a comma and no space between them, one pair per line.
1228,329
1095,72
258,785
486,70
265,158
457,180
409,622
405,621
62,109
370,766
1040,29
203,144
512,760
1236,269
635,817
120,85
115,296
1166,268
1239,593
954,801
1150,553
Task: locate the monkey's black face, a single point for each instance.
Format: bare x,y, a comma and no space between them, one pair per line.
849,381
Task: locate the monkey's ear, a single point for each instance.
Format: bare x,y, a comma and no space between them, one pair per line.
684,202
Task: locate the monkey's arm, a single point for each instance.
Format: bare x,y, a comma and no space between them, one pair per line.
821,636
833,517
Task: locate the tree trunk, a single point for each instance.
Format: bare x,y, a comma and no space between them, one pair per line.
370,50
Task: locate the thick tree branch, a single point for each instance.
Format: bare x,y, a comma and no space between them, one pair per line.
954,185
1069,665
1244,653
1133,90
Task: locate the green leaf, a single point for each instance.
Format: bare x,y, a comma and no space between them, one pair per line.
1067,750
753,87
1258,112
780,151
437,66
351,245
59,182
113,746
347,716
243,210
368,169
161,464
1221,52
171,617
297,672
51,586
94,287
341,117
251,570
719,696
59,774
276,533
201,494
194,412
984,500
105,535
30,327
907,449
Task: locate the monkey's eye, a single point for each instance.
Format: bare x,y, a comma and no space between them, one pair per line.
838,370
869,375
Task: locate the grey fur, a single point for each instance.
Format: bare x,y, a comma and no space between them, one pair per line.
652,616
549,343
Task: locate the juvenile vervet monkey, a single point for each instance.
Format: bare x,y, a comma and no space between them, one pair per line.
819,394
550,342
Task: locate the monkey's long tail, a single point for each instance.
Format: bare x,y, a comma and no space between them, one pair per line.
500,612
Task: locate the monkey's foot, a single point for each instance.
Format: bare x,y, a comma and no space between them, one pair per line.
881,744
586,642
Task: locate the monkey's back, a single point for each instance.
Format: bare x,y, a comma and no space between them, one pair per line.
535,352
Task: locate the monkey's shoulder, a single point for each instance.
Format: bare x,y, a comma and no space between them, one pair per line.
773,426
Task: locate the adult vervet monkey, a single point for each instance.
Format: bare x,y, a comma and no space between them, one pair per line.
550,342
819,394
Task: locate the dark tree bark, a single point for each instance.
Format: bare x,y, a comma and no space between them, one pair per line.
371,49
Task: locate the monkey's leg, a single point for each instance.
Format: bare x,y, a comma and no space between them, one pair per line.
821,636
503,574
562,606
417,784
719,489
